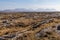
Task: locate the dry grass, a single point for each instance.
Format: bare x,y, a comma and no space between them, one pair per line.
22,25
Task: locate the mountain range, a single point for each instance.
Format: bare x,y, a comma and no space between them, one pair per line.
29,10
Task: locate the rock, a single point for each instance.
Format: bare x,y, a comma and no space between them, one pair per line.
2,38
58,28
6,23
20,24
9,36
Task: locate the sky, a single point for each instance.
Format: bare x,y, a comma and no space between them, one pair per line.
34,4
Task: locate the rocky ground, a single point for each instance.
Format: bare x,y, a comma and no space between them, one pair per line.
30,26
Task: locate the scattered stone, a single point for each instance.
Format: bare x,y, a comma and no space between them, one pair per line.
58,28
1,38
20,24
9,36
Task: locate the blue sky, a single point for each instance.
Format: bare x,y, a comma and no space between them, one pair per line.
34,4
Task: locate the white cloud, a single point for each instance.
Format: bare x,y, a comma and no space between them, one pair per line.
57,7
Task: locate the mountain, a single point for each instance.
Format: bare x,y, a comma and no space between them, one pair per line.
45,10
29,10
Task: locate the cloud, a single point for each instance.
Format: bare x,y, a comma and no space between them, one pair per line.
57,7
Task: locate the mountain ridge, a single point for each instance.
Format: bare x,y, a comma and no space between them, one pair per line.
29,10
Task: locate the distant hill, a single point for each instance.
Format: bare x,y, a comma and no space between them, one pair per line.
45,10
29,10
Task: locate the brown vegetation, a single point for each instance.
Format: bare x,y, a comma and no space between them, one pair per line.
30,26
